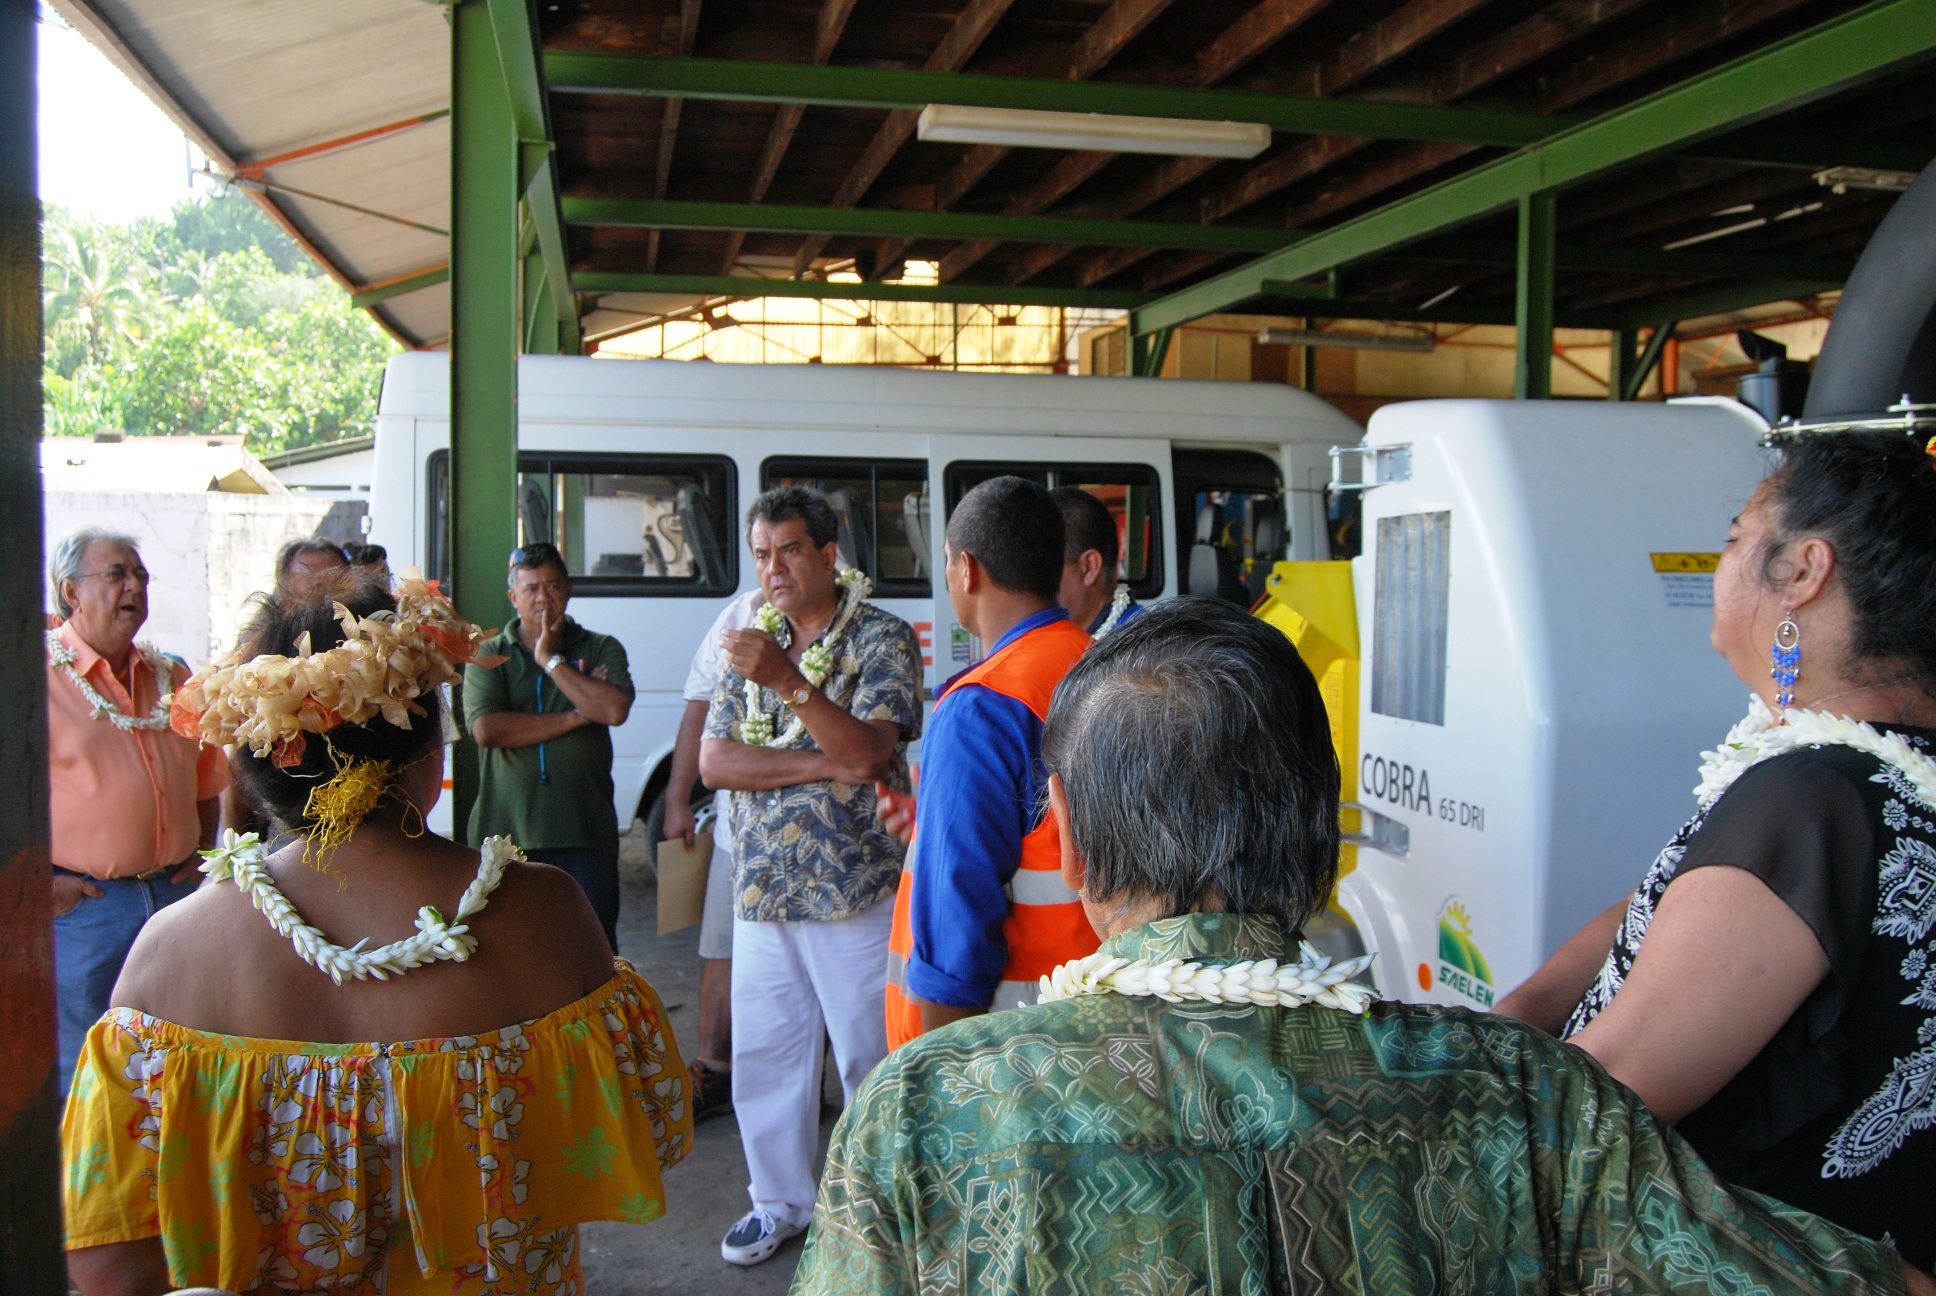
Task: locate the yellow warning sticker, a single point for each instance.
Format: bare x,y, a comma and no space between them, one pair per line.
1686,562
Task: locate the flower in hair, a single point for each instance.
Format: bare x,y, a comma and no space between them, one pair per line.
271,704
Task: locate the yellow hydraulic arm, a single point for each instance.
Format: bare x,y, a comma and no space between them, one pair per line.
1313,604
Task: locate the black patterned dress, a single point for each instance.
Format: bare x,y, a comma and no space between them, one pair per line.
1834,1115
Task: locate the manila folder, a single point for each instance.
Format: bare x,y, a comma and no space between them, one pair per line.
682,882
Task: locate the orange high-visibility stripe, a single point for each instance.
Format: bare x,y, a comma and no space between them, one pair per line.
1040,937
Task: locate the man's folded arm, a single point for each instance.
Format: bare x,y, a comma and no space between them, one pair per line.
726,765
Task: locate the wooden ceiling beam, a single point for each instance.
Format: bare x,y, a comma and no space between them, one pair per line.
1877,41
1689,30
1372,49
977,20
1121,23
669,123
1233,49
1592,75
1516,47
1250,37
827,29
1674,214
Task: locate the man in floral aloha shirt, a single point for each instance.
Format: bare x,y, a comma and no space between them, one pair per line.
801,738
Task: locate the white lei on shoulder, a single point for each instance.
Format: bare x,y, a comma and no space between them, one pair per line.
816,663
1313,979
1759,735
244,860
1118,604
62,658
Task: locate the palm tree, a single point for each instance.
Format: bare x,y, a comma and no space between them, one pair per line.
91,281
189,277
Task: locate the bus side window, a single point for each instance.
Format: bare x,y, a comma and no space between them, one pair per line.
881,507
1230,507
639,525
1131,492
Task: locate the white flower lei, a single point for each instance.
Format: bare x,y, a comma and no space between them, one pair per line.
1118,604
244,860
1759,735
816,663
59,655
1312,979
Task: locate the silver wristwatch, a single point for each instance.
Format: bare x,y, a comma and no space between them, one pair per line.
557,660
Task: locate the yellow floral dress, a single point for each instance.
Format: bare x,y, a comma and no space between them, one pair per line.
460,1166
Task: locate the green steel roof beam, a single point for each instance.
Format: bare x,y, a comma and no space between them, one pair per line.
1150,352
515,27
849,87
1813,152
1647,261
1721,301
541,200
1648,358
964,294
1297,299
773,218
398,287
1293,299
1860,46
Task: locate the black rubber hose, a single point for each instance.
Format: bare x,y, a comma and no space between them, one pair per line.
1882,344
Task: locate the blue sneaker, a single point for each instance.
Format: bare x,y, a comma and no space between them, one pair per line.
756,1237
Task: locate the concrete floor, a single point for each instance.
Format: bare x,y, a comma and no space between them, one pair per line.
679,1254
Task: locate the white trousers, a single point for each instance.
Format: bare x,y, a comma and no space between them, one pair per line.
790,979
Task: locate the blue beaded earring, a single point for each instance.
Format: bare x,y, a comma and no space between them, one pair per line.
1785,657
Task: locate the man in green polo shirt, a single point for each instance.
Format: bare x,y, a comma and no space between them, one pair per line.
542,720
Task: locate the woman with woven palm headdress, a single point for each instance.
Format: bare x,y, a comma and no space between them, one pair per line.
368,1059
1771,984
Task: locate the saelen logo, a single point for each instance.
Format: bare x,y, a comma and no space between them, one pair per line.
1462,967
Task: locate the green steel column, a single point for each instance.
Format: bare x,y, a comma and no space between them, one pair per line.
1533,298
483,335
30,1104
1148,351
1620,362
1649,357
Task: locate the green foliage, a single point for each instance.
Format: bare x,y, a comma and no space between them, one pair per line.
232,223
211,321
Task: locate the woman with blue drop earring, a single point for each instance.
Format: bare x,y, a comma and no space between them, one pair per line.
1771,984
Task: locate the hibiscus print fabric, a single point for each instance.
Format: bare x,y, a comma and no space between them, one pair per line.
459,1165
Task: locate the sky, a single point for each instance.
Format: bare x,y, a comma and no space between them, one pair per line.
106,152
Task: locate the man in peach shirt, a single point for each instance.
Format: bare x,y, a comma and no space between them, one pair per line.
131,803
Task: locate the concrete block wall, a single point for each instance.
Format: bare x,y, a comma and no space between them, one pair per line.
208,551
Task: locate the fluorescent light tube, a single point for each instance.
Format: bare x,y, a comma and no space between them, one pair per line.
1029,128
1347,341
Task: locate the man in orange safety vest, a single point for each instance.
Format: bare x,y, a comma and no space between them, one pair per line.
982,911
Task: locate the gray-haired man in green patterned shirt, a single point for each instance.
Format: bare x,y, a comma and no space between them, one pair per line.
1107,1142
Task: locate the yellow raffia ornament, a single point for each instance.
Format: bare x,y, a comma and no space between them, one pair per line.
271,704
338,806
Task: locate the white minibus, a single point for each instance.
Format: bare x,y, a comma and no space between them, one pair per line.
640,471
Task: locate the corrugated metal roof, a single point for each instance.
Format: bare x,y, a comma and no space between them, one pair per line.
252,81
